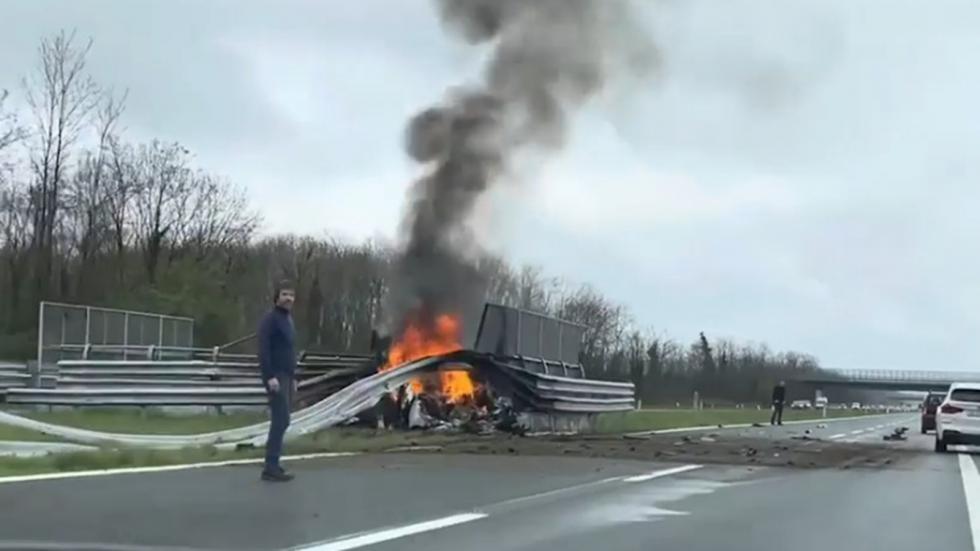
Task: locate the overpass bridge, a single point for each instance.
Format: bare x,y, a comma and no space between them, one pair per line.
885,379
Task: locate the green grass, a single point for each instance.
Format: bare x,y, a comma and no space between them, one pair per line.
130,420
333,440
654,419
8,432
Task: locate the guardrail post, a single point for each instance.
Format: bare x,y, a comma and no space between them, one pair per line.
85,351
40,333
149,352
34,370
125,334
88,325
215,354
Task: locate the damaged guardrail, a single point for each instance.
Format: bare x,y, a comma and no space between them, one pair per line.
565,394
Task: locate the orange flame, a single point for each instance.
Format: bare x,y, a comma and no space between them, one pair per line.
423,340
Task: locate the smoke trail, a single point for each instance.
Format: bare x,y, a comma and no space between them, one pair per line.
548,58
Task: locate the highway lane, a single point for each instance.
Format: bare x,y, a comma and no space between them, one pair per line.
907,509
511,502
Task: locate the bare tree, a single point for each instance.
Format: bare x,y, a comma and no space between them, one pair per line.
61,97
122,184
606,323
88,193
218,216
162,184
14,247
10,131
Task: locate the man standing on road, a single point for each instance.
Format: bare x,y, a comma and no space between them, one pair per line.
778,400
277,360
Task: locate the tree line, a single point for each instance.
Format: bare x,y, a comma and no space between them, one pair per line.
88,216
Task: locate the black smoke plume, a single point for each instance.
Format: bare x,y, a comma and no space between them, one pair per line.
548,58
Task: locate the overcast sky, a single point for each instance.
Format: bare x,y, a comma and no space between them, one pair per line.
799,173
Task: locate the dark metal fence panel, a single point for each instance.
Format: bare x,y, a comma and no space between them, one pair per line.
506,331
68,331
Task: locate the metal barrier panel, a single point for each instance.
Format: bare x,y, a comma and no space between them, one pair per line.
506,331
69,331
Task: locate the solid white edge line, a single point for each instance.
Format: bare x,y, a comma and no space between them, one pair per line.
164,468
971,491
661,473
388,534
836,436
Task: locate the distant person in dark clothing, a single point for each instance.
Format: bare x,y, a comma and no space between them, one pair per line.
778,401
277,360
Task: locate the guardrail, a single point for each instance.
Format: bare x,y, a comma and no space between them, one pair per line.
555,393
189,382
355,398
548,367
173,393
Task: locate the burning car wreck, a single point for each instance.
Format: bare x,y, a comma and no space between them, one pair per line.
517,378
479,412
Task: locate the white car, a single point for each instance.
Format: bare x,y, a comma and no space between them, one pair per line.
958,417
800,404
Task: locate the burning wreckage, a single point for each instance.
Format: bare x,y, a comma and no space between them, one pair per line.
517,378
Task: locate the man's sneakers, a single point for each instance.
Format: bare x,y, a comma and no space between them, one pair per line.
276,476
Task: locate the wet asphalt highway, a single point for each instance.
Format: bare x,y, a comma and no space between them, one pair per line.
451,502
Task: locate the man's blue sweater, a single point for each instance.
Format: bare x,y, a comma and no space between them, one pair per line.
277,350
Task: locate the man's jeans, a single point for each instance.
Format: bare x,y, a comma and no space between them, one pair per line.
279,403
777,413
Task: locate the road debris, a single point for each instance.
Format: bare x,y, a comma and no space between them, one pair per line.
898,434
398,449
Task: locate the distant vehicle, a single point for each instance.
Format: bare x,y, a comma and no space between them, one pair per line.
958,417
929,407
820,402
855,405
800,404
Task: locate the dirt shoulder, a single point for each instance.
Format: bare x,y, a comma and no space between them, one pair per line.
696,448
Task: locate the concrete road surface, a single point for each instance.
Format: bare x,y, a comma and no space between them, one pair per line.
452,502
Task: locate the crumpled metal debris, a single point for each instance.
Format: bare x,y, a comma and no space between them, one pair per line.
505,417
898,434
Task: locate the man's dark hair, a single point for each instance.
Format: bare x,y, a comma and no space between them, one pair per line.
282,285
